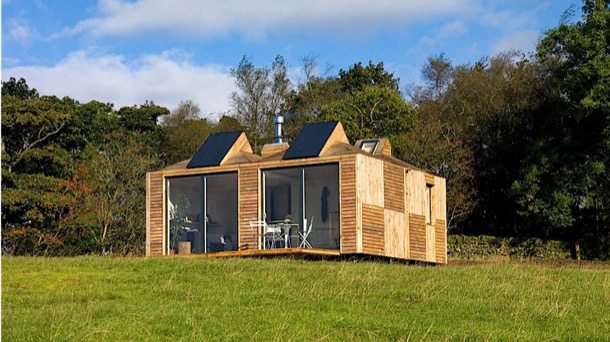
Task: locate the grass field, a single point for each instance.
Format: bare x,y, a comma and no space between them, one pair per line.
120,299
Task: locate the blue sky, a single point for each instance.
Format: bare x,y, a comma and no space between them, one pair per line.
127,52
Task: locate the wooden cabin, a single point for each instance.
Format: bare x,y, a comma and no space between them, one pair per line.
320,195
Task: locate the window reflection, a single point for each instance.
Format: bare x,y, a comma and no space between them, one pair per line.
202,213
306,198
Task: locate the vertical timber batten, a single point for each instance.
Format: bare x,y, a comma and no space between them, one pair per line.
156,215
248,208
440,224
147,214
416,185
405,186
347,205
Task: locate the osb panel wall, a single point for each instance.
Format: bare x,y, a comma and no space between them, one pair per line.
393,187
417,236
429,179
373,240
440,197
416,192
348,205
154,219
396,235
441,241
370,180
248,207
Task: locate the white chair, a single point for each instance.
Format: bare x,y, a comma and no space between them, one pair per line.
305,234
258,226
270,233
273,234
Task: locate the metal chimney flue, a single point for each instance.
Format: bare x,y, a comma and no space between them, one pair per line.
278,122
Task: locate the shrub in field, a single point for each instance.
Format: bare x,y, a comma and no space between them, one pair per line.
484,246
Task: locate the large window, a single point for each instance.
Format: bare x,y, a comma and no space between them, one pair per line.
307,198
322,205
202,213
283,195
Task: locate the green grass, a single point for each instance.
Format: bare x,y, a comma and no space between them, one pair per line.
95,298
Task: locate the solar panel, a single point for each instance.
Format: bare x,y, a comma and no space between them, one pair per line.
213,149
310,140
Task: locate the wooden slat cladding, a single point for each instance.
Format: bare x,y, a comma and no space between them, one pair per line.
430,242
373,237
382,205
348,205
393,187
387,148
248,207
417,236
155,217
441,241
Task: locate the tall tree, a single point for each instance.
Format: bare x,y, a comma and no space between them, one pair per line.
437,73
305,103
46,143
184,131
35,163
372,112
359,77
565,182
261,94
369,104
476,127
112,200
143,120
18,88
186,110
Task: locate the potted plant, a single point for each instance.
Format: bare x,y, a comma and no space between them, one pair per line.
178,216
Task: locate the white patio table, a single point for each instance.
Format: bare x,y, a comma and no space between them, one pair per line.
285,229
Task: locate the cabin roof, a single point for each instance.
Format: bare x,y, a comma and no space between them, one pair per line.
323,139
213,150
311,140
337,149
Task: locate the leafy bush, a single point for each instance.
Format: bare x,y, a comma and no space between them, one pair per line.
485,246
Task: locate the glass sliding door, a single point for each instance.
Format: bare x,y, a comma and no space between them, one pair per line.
322,205
185,214
304,196
202,213
283,198
221,212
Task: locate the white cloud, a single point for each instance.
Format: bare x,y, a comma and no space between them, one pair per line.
521,40
452,29
166,78
20,32
507,20
255,19
10,61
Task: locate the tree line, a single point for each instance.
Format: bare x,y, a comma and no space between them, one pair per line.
523,141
